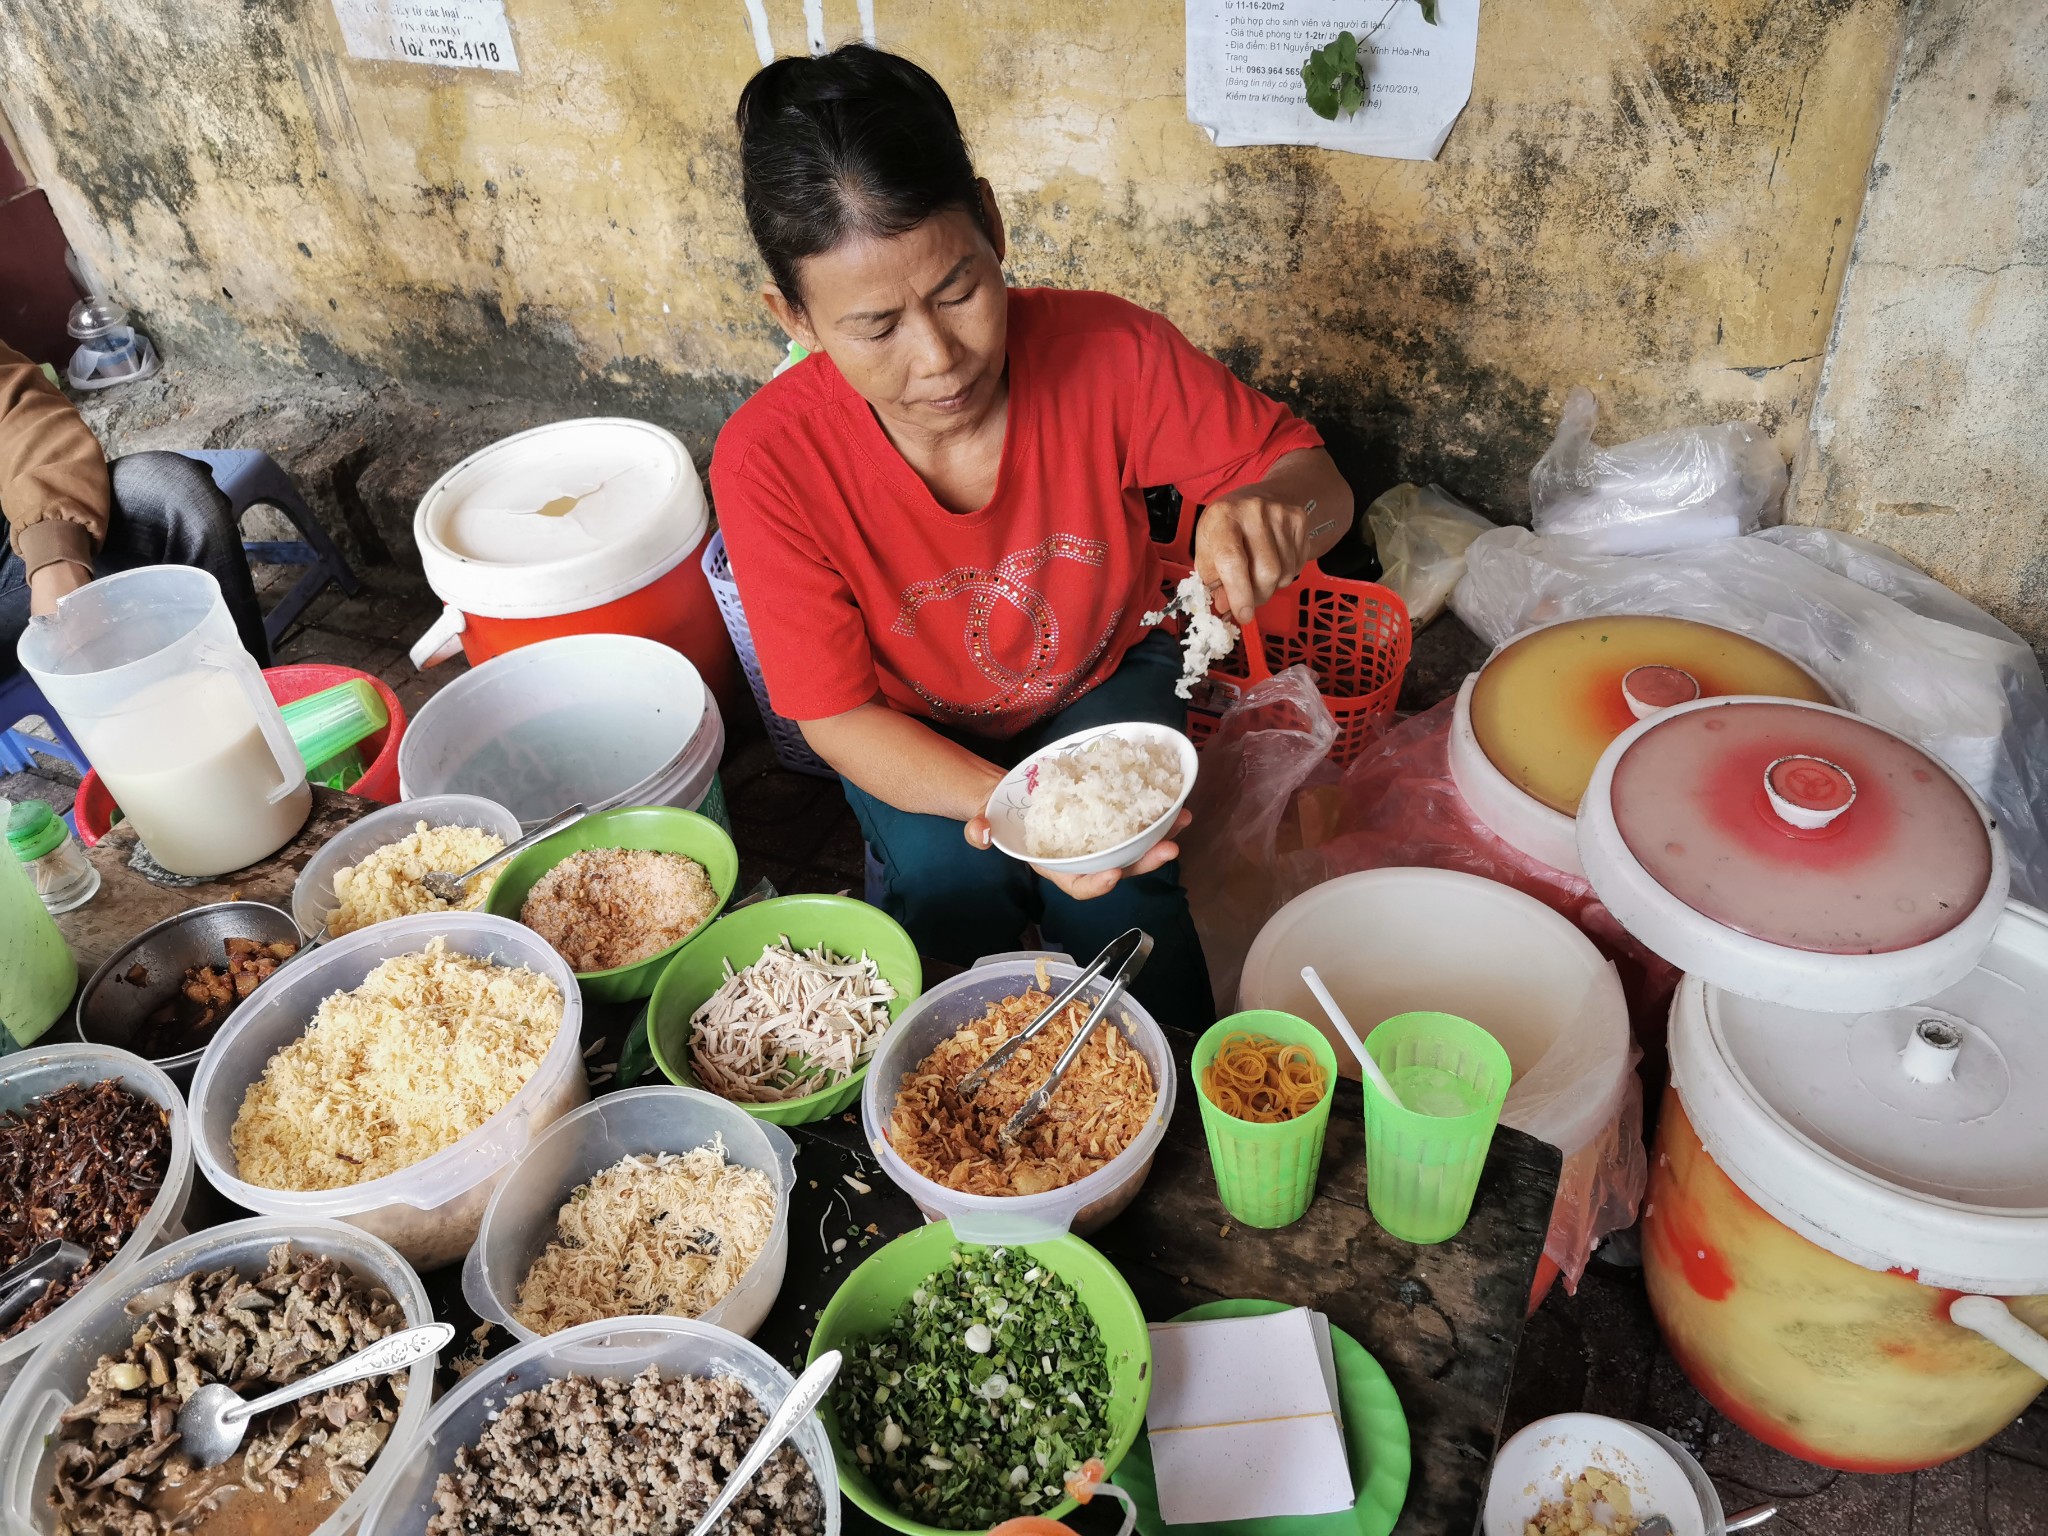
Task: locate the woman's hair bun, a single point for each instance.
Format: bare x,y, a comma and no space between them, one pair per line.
853,142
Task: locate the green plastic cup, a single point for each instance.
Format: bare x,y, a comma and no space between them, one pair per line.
1423,1162
1266,1174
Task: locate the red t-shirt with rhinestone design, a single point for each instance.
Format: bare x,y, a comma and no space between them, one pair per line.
856,581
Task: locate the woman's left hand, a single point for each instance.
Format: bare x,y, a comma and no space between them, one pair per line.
1102,882
1253,542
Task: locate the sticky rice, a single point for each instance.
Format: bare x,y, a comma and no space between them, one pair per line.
1092,797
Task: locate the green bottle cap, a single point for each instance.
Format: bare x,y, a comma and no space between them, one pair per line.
33,830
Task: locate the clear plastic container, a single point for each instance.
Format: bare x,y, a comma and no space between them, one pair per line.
580,720
146,669
1080,1207
313,895
31,1075
56,1378
520,1220
619,1350
428,1212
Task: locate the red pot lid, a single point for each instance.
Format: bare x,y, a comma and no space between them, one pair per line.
1732,831
1548,703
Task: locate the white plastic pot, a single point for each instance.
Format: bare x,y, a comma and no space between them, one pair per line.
34,1073
430,1211
1080,1207
615,1351
520,1220
313,893
594,720
56,1378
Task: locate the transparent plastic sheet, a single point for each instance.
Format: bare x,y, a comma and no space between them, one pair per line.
1273,819
1421,533
1670,490
1892,643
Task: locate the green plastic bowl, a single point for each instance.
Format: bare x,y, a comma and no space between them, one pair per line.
841,924
657,828
875,1292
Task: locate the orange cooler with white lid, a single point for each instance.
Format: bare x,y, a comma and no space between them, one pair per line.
1530,724
1846,1231
591,526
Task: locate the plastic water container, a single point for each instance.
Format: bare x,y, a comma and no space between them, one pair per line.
56,1378
615,1351
520,1220
430,1211
586,719
313,894
31,1075
1080,1207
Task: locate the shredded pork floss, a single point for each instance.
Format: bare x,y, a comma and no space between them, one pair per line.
1098,1110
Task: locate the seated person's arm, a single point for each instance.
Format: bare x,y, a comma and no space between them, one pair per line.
903,762
53,482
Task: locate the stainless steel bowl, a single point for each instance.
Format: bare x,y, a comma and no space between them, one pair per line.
112,1007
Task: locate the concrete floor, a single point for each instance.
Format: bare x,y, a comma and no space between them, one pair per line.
1597,1351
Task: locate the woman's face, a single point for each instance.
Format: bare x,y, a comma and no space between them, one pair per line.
915,322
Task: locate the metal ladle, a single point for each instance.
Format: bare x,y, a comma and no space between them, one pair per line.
216,1417
452,888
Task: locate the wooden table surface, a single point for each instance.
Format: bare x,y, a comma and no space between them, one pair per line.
1444,1321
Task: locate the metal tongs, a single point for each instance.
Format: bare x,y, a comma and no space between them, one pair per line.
1128,952
45,1265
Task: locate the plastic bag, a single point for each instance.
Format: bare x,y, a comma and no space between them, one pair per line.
1893,644
1670,490
1421,533
1268,744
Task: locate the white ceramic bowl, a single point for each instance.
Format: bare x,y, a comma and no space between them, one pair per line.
1538,1464
1012,797
313,893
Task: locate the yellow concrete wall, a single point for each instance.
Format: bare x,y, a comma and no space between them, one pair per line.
1650,196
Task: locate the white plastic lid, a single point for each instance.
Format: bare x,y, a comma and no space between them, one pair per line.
560,518
1793,852
1912,1138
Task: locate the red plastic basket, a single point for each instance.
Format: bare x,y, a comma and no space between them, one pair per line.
94,807
1353,635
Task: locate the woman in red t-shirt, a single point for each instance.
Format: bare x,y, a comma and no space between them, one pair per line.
937,520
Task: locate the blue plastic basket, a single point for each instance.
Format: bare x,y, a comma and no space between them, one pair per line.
783,735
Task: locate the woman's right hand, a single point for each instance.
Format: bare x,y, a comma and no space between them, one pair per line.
1103,881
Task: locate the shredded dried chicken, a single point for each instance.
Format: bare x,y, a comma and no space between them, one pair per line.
1098,1110
653,1233
788,1025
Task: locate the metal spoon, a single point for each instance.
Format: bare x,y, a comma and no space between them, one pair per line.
214,1419
23,1285
451,888
1660,1525
808,1392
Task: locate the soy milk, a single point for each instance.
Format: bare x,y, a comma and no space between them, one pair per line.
189,765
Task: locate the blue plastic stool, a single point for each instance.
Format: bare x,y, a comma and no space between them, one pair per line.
20,697
248,475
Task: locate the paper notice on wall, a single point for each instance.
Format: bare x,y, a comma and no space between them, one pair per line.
457,34
1245,85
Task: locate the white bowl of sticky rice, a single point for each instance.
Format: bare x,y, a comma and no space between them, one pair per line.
1098,799
388,1079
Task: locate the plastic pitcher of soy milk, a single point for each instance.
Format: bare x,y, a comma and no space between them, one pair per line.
146,669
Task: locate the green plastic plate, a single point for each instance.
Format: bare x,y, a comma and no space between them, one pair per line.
1375,1433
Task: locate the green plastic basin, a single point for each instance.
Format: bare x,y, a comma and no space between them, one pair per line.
843,925
875,1292
656,828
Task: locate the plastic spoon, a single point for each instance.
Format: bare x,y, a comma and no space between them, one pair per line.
451,888
1366,1064
216,1417
805,1396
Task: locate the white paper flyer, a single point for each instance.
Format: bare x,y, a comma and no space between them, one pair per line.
1245,85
